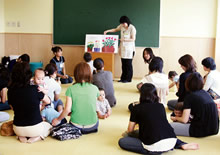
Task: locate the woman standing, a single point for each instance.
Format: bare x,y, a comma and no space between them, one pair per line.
81,101
25,101
201,107
127,47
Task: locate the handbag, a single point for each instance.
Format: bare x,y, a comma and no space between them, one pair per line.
213,94
7,129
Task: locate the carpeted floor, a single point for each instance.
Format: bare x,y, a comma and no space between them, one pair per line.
106,140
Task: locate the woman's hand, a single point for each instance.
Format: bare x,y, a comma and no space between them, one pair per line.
64,77
173,118
55,121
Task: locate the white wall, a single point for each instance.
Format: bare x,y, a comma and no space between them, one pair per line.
188,18
2,17
33,16
179,18
217,43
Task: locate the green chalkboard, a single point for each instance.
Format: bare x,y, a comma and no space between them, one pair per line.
73,19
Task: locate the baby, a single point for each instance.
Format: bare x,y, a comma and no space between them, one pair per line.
48,113
173,81
103,108
38,80
178,111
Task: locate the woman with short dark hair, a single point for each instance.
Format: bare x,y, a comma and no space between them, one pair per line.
157,78
188,64
104,79
127,47
199,104
81,101
25,100
212,82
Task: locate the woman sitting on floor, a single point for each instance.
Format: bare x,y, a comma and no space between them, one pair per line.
25,101
81,101
188,64
212,82
157,78
155,134
200,105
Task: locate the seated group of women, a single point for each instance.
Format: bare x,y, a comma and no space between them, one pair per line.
155,134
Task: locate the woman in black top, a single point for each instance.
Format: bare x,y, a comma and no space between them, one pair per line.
200,105
155,133
25,101
188,64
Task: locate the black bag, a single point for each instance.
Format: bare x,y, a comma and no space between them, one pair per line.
65,132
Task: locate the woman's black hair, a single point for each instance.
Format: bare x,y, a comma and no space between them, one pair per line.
50,69
24,58
150,52
21,75
87,57
98,63
148,93
4,74
156,65
209,63
124,19
194,82
56,49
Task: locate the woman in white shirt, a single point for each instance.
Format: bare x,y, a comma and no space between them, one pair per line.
157,78
127,47
211,79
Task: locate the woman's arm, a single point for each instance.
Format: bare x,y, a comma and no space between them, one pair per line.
111,30
131,126
184,118
64,72
3,95
65,112
208,83
46,99
56,96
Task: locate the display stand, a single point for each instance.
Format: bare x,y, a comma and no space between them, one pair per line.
108,58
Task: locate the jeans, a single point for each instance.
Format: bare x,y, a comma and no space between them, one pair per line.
181,129
88,130
4,116
4,106
135,145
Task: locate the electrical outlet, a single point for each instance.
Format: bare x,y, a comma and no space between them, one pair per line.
13,24
8,24
18,24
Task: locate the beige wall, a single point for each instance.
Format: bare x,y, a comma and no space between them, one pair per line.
186,27
29,16
2,29
2,16
217,43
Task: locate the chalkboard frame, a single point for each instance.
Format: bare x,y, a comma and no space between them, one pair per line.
72,20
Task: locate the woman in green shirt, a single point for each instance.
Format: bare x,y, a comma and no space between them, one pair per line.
81,101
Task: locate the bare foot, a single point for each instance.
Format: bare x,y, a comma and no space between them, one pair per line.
190,146
34,139
22,139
